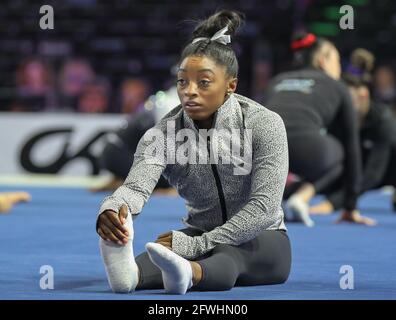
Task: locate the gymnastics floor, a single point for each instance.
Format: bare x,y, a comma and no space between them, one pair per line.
58,229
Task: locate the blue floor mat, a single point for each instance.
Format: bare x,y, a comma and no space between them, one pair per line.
58,229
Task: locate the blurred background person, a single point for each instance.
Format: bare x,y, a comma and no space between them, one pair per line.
118,154
385,86
95,97
377,134
74,75
134,92
321,125
34,86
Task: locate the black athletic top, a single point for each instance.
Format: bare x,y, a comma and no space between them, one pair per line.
308,99
377,134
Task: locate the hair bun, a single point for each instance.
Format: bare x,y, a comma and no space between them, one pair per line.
362,59
358,71
207,28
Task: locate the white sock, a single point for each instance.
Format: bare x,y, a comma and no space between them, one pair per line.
300,210
121,268
176,271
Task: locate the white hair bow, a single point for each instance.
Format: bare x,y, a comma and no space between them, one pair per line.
219,36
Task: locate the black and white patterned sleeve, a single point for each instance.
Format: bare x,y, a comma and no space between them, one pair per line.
263,209
142,178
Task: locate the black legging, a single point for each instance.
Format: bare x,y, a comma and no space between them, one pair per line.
390,175
317,158
264,260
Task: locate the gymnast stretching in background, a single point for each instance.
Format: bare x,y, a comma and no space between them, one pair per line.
377,135
321,125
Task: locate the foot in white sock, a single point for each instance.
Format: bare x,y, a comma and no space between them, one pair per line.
300,210
176,271
121,268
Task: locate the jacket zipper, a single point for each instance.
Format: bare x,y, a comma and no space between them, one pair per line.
219,187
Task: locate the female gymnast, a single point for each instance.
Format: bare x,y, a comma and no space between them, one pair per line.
377,134
235,233
321,125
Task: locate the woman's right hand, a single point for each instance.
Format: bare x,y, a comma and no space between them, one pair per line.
110,226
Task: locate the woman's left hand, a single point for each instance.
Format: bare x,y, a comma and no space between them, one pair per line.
165,239
355,217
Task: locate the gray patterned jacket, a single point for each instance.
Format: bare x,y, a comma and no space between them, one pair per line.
229,208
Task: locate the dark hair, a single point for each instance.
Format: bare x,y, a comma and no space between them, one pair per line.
358,71
222,54
305,46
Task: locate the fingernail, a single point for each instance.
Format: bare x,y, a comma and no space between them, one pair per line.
120,243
